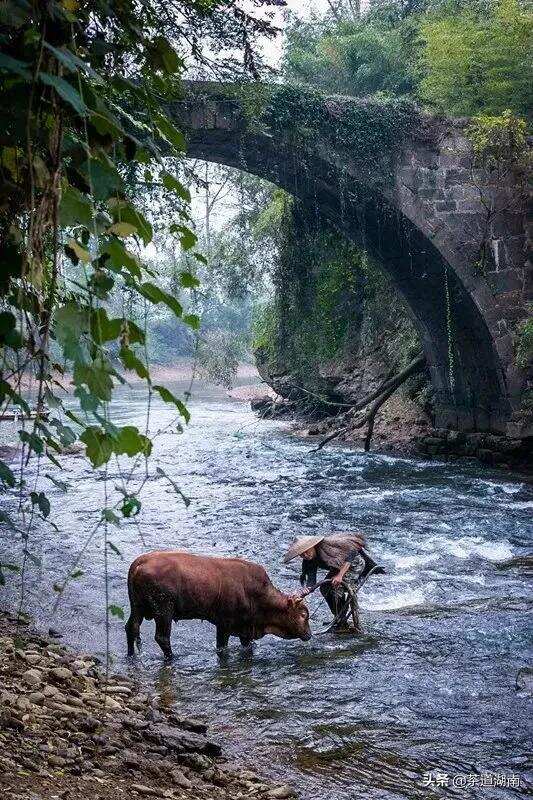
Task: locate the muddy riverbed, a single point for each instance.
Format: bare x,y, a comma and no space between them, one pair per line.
431,686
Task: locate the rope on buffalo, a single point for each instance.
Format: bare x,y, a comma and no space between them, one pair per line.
351,602
350,605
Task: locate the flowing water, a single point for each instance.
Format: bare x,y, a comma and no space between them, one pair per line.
431,686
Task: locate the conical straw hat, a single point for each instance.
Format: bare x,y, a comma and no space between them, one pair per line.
301,544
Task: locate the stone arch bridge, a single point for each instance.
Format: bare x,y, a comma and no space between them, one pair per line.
453,240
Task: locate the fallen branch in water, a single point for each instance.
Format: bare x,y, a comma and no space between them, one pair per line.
377,398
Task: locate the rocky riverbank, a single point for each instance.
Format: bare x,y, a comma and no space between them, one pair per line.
402,429
68,732
403,425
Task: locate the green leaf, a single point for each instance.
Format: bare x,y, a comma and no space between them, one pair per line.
88,402
123,229
114,548
81,253
120,257
17,400
71,322
168,397
104,329
109,516
6,519
186,500
97,378
60,484
116,611
188,280
131,506
122,211
43,503
163,56
99,445
157,295
76,574
193,320
130,442
65,91
65,433
10,568
72,62
74,417
51,400
188,238
133,333
130,361
103,177
167,130
20,68
6,475
33,441
51,445
75,208
174,185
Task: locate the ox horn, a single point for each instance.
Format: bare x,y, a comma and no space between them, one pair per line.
298,597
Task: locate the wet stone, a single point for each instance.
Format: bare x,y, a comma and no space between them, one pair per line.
179,779
136,724
182,741
61,673
32,677
56,761
146,790
195,761
281,792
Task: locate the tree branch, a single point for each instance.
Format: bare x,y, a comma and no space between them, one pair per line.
377,399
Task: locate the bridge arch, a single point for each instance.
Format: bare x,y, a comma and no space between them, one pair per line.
421,216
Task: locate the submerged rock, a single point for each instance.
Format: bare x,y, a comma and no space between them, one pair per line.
525,561
524,680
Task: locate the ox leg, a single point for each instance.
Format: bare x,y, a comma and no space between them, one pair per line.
133,627
163,626
246,641
222,638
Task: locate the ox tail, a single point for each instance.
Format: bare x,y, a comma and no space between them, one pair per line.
139,610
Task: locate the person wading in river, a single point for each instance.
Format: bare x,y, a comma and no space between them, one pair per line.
346,562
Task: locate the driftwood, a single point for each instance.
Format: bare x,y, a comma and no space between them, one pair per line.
376,399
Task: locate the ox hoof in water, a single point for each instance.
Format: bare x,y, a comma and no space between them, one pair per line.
236,596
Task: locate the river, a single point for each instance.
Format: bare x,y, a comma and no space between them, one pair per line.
431,684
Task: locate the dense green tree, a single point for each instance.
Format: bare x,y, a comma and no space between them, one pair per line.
354,57
475,62
84,135
462,57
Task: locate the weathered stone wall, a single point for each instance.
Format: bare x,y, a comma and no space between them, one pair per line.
482,228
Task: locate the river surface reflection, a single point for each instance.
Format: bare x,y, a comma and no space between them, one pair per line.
431,684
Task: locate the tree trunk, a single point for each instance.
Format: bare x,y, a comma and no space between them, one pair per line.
377,398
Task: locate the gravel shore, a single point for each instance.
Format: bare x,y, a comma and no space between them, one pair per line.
67,732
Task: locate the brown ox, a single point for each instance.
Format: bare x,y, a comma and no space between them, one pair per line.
235,595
